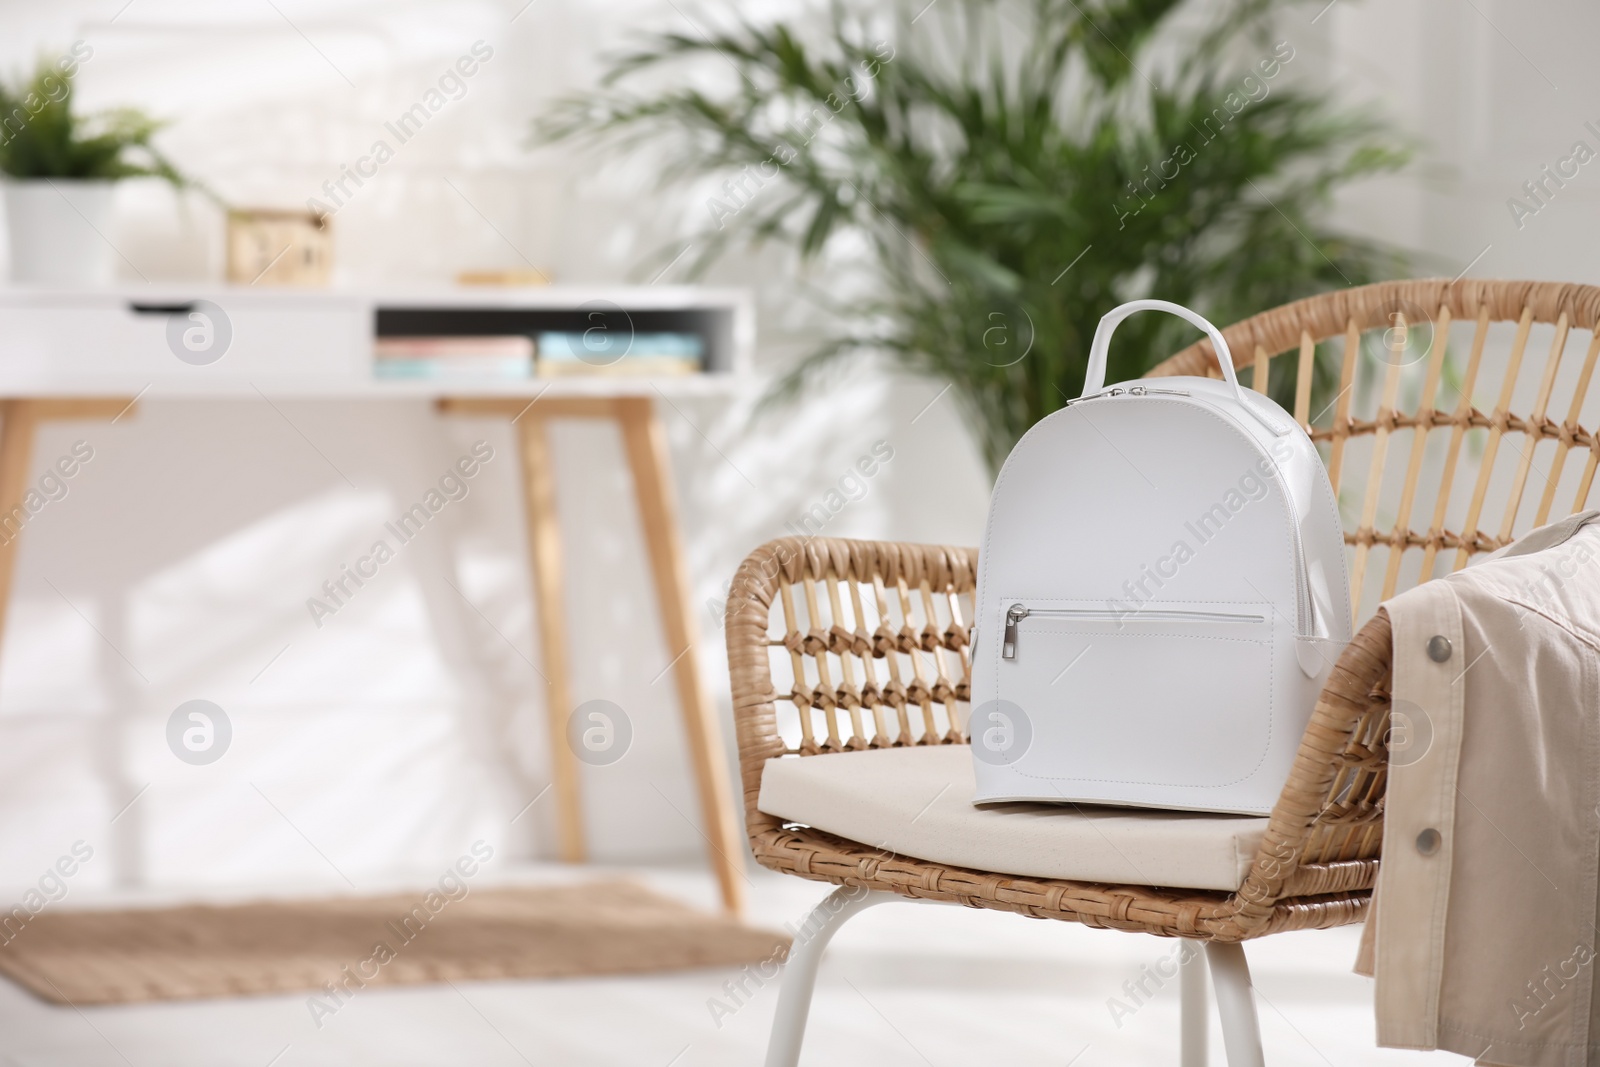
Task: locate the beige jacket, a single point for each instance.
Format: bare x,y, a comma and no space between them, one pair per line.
1483,933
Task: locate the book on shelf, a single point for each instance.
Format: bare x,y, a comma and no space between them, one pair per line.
453,357
619,353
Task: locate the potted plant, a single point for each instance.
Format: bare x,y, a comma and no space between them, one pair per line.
1010,170
60,171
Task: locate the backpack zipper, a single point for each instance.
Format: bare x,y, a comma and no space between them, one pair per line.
1133,390
1017,612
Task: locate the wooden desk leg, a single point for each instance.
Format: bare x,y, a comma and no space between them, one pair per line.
18,419
652,480
545,568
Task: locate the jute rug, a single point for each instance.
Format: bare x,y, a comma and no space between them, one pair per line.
110,957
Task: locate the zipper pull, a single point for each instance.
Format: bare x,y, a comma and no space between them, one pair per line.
1014,614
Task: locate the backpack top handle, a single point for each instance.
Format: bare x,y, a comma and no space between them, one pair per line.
1095,379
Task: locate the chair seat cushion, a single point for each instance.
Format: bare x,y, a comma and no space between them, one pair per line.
917,802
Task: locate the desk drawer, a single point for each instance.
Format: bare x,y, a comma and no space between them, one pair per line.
46,338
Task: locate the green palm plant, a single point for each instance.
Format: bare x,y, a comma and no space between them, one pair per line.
1014,169
42,136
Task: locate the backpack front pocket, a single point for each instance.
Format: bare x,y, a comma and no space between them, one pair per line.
1176,694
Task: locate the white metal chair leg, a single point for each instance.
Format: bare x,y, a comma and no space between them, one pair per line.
1236,1004
1193,1009
800,970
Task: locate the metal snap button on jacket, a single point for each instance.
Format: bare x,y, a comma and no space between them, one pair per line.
1438,648
1428,841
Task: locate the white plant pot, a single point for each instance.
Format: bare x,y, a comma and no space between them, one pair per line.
59,231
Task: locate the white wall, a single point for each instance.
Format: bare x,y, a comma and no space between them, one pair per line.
1491,91
411,724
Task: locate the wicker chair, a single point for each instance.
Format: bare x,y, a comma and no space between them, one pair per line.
870,639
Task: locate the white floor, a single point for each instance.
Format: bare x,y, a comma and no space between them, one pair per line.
911,984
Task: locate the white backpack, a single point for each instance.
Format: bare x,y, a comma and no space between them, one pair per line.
1161,595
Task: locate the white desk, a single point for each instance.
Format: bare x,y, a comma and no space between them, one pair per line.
93,354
